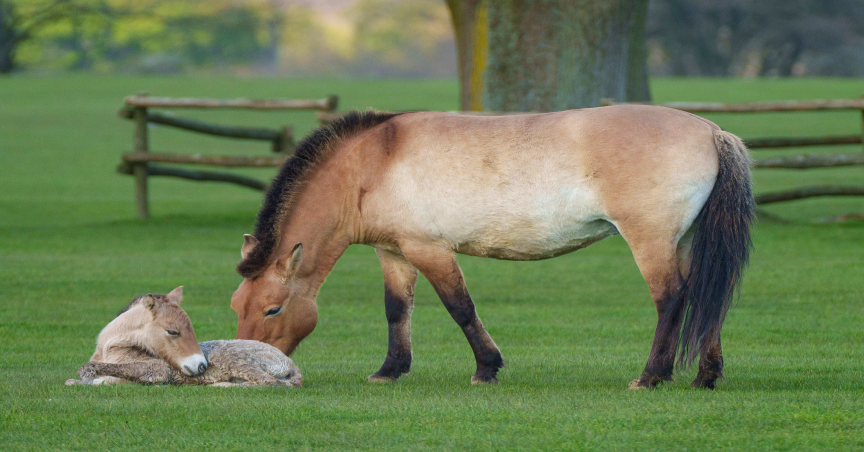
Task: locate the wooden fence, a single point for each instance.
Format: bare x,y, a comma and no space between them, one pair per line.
798,162
142,163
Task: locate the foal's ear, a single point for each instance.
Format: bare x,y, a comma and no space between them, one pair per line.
249,242
149,302
289,263
176,296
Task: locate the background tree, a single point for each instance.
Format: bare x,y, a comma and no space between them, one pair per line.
548,55
19,21
764,38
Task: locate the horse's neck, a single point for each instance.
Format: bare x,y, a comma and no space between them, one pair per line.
323,219
124,337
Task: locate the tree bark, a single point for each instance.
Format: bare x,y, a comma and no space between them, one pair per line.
8,38
549,55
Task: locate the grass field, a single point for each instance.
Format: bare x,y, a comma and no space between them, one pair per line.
573,330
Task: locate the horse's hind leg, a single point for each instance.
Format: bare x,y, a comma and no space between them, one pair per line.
399,280
711,357
658,262
439,266
710,363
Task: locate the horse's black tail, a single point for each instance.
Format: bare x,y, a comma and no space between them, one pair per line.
720,249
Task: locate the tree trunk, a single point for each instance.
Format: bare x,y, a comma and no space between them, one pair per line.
470,27
8,38
549,55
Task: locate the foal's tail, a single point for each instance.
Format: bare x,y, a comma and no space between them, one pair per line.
720,249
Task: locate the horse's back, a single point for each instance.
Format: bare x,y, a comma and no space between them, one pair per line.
538,185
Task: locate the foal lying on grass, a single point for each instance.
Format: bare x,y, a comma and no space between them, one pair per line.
152,342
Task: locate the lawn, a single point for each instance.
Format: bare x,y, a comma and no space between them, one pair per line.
573,330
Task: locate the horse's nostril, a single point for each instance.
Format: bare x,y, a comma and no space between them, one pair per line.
201,368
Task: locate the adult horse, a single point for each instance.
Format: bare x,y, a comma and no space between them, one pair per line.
422,187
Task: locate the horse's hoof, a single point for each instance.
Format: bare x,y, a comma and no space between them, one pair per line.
637,384
375,378
475,380
704,384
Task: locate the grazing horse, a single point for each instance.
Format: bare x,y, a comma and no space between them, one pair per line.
145,344
422,187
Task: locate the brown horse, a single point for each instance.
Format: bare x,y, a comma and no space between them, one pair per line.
422,187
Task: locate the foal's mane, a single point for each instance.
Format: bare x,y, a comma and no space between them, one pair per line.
278,201
136,300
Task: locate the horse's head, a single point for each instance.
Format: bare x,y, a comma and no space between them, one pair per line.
169,333
274,307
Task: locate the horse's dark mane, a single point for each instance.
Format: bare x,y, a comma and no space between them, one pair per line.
277,201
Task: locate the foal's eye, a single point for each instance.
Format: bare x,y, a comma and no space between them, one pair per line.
273,311
173,333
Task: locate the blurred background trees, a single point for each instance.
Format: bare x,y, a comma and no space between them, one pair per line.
409,38
756,38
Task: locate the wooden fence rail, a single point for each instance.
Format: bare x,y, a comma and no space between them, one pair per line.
796,162
327,104
142,163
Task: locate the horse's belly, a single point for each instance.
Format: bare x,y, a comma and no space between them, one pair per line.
537,243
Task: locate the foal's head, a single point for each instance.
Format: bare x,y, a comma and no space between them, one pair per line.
161,327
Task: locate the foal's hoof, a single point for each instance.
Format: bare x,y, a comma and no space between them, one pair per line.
475,380
375,378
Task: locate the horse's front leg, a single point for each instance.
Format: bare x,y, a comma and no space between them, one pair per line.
399,280
439,266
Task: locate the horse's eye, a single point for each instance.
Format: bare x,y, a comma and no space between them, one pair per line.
173,333
273,311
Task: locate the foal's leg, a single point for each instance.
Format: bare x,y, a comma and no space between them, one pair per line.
659,264
151,371
439,266
399,280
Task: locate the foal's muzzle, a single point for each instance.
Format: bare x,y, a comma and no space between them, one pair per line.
194,365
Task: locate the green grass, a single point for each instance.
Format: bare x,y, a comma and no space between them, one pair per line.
573,330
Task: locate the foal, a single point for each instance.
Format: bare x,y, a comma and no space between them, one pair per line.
152,342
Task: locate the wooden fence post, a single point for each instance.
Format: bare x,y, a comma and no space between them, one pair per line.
862,126
140,169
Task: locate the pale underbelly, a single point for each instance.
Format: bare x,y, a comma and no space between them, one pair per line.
528,245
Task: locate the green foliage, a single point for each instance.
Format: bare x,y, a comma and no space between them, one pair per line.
152,35
393,29
372,37
574,330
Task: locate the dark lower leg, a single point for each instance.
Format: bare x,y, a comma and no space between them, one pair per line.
661,361
399,280
440,268
486,353
710,365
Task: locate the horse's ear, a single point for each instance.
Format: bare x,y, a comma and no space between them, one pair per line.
289,263
176,296
249,242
